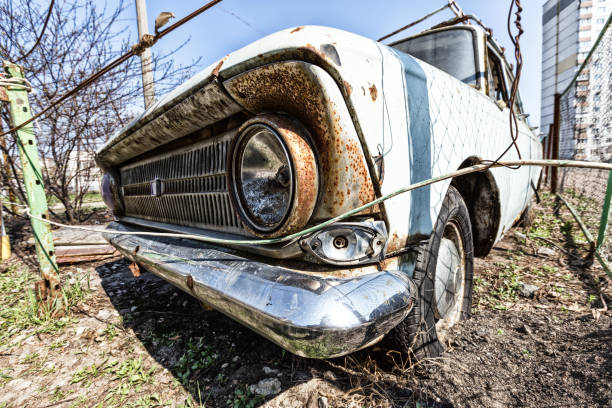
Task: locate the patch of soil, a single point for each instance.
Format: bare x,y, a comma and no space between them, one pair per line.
525,358
552,349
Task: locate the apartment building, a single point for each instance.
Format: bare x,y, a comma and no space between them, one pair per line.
570,28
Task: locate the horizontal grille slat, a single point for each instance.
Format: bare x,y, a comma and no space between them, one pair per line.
192,187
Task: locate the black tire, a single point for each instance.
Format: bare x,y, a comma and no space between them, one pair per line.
417,335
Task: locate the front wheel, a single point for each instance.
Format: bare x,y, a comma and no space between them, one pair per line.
443,274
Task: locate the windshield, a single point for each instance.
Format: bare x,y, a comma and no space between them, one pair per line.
452,51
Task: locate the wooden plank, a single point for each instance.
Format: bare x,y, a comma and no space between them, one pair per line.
70,236
84,258
84,253
78,250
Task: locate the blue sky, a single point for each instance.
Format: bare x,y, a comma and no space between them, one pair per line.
235,23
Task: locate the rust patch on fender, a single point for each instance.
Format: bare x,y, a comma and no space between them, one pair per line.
296,29
293,88
348,88
135,269
396,242
373,92
215,72
189,282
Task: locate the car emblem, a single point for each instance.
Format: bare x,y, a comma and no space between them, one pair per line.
156,188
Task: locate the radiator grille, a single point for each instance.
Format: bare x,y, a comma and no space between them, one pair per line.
187,187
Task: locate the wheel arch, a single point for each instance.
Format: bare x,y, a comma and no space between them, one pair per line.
481,196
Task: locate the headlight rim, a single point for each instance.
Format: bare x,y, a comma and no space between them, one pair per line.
237,152
304,165
115,203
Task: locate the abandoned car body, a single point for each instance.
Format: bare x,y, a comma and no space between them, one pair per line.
303,126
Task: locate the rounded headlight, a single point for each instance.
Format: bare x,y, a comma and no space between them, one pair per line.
273,174
264,177
109,190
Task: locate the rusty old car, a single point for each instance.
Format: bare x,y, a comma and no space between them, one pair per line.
233,168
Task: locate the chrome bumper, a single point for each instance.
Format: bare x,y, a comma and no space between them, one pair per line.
311,316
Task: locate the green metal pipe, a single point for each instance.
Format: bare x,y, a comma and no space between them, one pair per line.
603,262
605,213
20,112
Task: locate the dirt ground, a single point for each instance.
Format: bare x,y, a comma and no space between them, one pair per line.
139,342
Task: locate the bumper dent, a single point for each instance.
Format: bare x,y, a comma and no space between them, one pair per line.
311,316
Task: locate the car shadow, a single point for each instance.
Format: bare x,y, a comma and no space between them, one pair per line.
216,358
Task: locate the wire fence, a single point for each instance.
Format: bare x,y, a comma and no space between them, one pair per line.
585,133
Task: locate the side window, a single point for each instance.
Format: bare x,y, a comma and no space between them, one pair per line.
496,86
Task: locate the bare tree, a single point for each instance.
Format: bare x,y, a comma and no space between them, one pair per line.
80,38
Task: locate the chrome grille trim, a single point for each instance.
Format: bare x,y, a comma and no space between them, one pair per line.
194,189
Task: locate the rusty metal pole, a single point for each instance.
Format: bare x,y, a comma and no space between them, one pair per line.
548,153
145,58
554,174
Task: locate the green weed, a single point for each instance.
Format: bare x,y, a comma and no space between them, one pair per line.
57,395
86,375
244,398
110,332
4,376
20,310
508,283
131,370
197,357
149,401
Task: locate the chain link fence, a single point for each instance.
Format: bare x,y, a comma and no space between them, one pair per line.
585,133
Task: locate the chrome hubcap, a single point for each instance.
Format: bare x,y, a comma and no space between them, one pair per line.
450,280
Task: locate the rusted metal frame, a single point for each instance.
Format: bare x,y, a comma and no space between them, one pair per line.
460,17
546,155
549,152
587,234
451,22
554,174
20,112
399,30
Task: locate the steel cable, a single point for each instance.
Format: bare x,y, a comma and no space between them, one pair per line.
320,226
118,61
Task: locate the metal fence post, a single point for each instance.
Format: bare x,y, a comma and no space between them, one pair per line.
33,180
548,153
554,174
